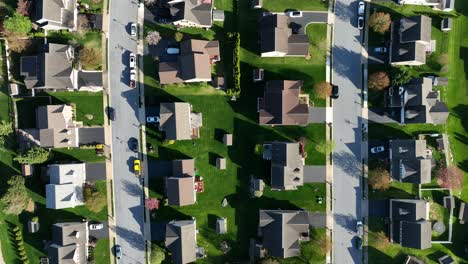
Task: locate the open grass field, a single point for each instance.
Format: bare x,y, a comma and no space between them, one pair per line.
302,5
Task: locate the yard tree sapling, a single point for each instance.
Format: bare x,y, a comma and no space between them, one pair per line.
33,156
380,22
379,81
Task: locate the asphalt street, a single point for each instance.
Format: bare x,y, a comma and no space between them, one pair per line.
128,194
347,112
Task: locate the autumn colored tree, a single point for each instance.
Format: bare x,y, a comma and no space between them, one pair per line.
23,7
450,177
378,80
380,22
90,58
323,89
153,37
381,239
151,204
379,179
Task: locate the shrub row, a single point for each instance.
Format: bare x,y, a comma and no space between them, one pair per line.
236,66
20,245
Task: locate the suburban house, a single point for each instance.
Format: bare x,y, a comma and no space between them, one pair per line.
278,40
181,241
410,40
416,102
53,69
65,188
283,104
190,13
410,161
413,260
193,63
69,243
443,5
281,233
179,122
56,14
180,187
409,225
287,165
55,128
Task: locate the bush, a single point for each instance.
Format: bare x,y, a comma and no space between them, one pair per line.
20,243
379,179
178,36
33,156
236,65
95,201
26,261
35,219
18,24
16,197
258,149
378,80
380,22
6,128
16,228
158,254
90,58
323,89
402,75
22,253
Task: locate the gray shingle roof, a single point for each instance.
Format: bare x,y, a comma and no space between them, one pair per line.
195,11
287,167
57,12
409,162
181,241
65,188
69,243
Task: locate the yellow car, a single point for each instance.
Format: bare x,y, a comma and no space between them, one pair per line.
137,167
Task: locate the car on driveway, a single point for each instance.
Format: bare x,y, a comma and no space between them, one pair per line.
361,8
360,22
133,29
380,50
152,119
118,251
378,149
132,83
173,51
335,92
359,230
132,60
294,14
96,226
137,167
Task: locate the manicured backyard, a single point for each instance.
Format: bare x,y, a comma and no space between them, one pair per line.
302,5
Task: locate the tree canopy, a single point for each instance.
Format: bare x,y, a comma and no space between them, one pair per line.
16,196
379,179
6,128
33,156
18,24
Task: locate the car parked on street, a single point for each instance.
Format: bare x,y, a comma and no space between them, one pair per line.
132,60
96,226
380,50
294,14
110,113
361,8
133,29
358,243
152,119
118,251
359,228
132,78
137,167
360,22
335,92
378,149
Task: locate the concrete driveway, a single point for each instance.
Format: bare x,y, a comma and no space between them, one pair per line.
157,169
315,173
317,115
299,23
91,135
379,208
101,233
380,155
95,171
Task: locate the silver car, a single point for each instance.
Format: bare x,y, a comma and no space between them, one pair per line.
132,60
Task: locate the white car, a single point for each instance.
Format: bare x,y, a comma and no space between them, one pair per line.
361,8
132,78
132,60
152,119
133,29
377,149
359,230
360,22
96,226
294,14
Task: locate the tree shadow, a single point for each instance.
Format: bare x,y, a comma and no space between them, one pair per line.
134,239
212,157
212,221
461,111
132,188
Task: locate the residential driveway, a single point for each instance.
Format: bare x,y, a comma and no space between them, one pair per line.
377,58
101,233
157,169
158,231
91,135
318,219
317,115
307,18
380,155
379,116
159,50
95,171
379,208
314,174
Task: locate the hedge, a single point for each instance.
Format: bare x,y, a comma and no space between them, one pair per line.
236,65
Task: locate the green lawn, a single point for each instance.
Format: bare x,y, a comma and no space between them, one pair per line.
95,6
303,5
102,252
76,154
396,131
87,103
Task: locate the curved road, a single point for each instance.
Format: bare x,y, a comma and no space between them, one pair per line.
347,111
128,194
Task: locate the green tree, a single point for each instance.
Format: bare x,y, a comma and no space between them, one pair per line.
178,36
33,156
16,197
325,147
378,80
94,200
158,254
6,128
90,58
18,24
401,75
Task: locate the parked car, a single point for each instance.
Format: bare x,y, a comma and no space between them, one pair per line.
335,92
358,243
361,8
294,14
380,50
152,119
132,78
359,230
132,60
133,144
111,113
377,149
96,226
118,251
360,22
173,51
99,150
133,29
137,167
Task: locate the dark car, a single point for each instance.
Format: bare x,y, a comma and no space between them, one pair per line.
133,144
118,252
335,92
358,243
110,113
